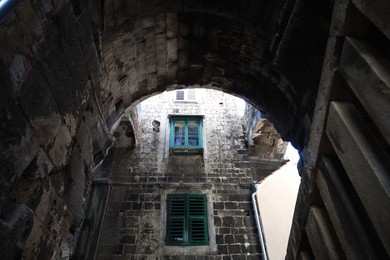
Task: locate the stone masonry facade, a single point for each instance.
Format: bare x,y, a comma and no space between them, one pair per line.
140,178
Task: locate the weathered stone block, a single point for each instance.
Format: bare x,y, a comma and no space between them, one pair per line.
321,239
345,218
364,68
377,12
15,225
365,162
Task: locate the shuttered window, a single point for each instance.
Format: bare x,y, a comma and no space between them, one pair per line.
191,94
187,95
180,95
187,220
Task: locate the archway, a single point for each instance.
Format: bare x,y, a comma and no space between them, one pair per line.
174,156
63,90
172,49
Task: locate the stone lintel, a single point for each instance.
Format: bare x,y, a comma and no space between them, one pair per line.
186,186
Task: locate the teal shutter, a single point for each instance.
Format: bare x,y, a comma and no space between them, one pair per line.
197,219
187,220
185,135
176,219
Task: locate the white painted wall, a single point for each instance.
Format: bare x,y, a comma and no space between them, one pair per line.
276,200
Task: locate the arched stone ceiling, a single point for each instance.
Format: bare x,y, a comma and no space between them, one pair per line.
172,49
84,62
262,15
268,52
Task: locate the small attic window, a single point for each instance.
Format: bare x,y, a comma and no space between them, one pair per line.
191,94
180,95
186,95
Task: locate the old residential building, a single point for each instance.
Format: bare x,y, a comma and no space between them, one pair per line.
195,157
319,70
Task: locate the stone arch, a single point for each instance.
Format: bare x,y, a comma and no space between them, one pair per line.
231,46
102,90
173,50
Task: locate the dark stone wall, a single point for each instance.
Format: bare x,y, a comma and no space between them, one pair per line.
48,62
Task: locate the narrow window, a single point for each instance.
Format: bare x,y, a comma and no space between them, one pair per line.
186,134
187,95
187,220
180,95
191,94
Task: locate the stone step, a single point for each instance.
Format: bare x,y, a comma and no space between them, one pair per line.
262,163
377,12
367,73
320,235
344,217
366,163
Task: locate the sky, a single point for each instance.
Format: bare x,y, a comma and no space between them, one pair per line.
292,154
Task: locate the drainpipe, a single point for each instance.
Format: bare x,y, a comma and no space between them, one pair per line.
258,224
6,7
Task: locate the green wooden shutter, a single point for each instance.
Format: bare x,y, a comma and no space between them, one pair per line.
197,219
176,220
187,220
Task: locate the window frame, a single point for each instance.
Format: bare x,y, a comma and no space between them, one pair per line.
186,148
189,95
195,210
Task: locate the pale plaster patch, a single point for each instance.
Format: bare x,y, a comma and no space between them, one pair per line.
17,70
71,122
44,164
58,153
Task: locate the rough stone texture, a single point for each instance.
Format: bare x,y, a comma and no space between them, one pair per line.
321,236
124,135
251,116
68,69
347,225
267,141
15,225
360,125
142,176
45,89
262,138
369,68
370,168
377,13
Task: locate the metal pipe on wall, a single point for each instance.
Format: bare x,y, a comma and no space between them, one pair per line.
258,224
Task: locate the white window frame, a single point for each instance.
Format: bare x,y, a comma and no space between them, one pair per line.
189,95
